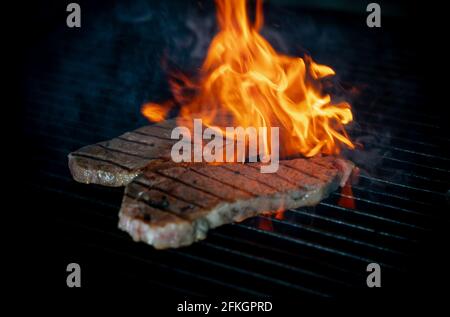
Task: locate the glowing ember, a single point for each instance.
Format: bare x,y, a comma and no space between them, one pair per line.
265,224
244,78
154,112
346,200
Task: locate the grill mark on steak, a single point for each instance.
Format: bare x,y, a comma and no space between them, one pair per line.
159,126
136,142
193,186
181,189
149,216
126,153
190,208
302,180
94,158
156,205
268,179
226,194
246,175
184,199
338,164
306,173
312,172
282,177
226,202
161,201
222,182
152,135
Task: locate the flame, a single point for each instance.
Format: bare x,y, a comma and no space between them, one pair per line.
279,213
265,224
346,200
244,78
155,112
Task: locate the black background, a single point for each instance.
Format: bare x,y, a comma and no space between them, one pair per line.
39,257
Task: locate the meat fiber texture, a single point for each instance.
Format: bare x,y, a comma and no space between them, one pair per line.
177,205
118,161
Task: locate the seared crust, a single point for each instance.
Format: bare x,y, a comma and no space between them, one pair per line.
117,161
177,205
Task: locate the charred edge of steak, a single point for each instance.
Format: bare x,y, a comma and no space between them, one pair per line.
91,171
118,161
177,231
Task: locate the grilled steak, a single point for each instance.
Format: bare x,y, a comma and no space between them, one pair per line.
176,205
116,162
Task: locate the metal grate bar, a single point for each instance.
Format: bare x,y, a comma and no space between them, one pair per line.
375,179
351,225
366,214
394,208
332,235
112,207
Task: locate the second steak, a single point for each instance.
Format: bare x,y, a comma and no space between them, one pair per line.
176,205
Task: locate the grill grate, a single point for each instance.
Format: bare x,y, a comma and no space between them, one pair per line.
85,94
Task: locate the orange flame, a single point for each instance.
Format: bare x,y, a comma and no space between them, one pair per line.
245,79
346,200
155,112
265,224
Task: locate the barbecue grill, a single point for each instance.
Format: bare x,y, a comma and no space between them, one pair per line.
86,85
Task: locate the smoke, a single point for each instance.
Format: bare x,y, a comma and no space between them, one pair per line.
117,64
371,148
138,11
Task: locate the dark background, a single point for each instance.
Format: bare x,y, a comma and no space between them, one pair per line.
111,65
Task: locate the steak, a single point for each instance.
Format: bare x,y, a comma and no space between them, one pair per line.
175,205
116,162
